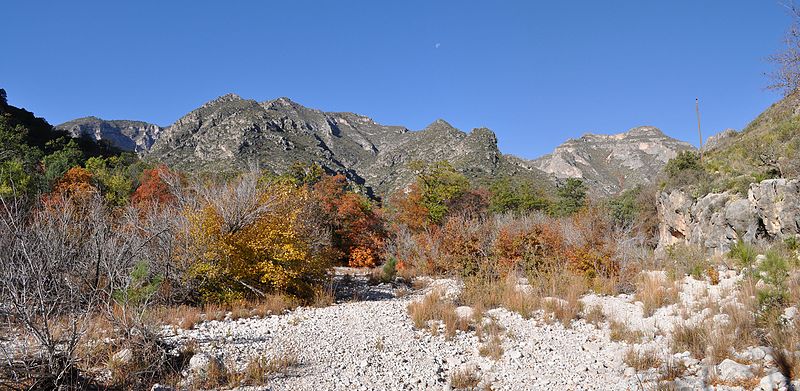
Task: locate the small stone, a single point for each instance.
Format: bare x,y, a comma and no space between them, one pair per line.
123,356
465,312
515,354
790,313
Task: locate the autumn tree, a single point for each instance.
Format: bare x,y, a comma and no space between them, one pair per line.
250,238
357,227
153,189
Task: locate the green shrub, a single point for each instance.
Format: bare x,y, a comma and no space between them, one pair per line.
389,270
744,254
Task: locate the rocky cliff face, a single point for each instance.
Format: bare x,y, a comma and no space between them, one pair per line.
132,136
770,211
612,163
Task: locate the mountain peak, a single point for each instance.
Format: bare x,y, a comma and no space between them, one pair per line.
651,131
440,124
229,97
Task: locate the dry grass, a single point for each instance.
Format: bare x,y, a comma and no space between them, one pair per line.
491,334
324,296
493,293
672,370
259,369
452,322
595,315
620,332
492,349
433,307
655,292
690,338
429,308
464,379
642,359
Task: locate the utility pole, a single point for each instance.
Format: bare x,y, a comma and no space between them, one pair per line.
699,133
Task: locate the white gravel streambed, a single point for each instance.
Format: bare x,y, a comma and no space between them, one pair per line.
372,345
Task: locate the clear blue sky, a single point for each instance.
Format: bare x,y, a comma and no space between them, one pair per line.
535,72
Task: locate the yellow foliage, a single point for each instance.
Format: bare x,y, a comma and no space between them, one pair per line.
273,251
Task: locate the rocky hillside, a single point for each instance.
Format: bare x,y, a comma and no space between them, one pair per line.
611,163
133,136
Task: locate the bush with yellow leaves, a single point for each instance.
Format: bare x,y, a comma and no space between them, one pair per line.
253,236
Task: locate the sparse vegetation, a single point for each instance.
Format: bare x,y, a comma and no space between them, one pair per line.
464,379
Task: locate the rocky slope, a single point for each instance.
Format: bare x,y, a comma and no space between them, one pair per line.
612,163
132,136
715,221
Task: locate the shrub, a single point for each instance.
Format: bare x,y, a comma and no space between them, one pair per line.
743,253
251,239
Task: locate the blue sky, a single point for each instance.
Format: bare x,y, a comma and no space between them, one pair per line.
536,72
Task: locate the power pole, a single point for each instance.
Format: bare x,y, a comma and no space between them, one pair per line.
699,133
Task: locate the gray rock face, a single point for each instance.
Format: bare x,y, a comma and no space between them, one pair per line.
132,136
717,220
611,163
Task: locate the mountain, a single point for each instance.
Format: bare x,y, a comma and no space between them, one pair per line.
233,132
612,163
131,136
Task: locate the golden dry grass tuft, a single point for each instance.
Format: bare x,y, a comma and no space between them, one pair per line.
595,315
642,359
465,379
618,331
655,291
259,369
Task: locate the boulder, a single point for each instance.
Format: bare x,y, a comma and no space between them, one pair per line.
773,381
200,362
731,371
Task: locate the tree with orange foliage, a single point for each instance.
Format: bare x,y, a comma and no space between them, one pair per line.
75,184
153,189
357,226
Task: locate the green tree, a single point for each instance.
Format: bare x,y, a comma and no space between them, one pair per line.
65,156
518,196
112,177
439,183
571,197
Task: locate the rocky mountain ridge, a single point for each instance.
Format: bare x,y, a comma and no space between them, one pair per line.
232,132
612,163
134,136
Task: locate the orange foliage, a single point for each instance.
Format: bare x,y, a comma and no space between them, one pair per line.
75,185
357,227
409,210
153,189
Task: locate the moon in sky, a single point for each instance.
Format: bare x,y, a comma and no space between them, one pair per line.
437,45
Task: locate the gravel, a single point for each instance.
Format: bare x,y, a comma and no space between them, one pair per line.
372,345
